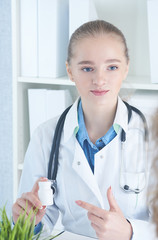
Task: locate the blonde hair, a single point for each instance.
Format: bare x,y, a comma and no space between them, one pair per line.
154,196
92,29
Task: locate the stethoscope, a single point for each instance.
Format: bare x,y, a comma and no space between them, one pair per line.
126,187
53,160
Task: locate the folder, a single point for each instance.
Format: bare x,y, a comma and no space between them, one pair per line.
145,102
80,12
152,11
46,104
28,38
56,102
37,109
53,36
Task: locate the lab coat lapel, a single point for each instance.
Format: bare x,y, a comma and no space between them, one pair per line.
82,168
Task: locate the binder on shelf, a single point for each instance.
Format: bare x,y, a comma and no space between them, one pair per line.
53,36
45,104
44,35
80,12
145,102
152,11
28,37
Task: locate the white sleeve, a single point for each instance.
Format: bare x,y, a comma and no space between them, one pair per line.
143,230
36,166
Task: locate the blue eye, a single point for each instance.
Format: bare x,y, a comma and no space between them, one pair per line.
87,69
112,68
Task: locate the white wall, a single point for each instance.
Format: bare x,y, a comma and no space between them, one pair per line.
131,17
6,164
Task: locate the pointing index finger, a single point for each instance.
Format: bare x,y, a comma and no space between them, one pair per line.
99,212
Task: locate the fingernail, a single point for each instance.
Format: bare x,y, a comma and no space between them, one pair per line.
44,207
111,190
44,178
78,202
41,207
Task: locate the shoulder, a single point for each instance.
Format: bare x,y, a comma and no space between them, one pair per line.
138,118
126,112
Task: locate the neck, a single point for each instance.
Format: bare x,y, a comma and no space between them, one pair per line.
98,119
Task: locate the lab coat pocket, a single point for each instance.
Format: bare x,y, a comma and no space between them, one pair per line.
133,182
133,205
137,202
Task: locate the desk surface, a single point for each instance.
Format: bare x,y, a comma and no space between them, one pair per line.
71,236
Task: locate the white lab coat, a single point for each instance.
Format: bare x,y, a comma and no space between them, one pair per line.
75,180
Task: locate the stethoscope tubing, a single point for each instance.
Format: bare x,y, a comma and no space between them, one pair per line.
53,160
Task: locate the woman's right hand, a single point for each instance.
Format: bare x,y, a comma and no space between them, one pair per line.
29,200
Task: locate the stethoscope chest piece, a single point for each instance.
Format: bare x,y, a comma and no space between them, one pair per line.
53,186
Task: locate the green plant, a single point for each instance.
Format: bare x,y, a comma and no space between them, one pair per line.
23,228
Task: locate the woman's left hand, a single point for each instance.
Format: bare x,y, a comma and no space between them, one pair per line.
108,225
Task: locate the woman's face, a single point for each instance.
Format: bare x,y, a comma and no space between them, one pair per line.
98,67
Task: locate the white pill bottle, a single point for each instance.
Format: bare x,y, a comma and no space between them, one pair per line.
45,193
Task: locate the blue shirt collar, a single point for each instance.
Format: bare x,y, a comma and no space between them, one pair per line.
121,119
82,133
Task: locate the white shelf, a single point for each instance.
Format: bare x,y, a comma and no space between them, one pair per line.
139,83
132,82
55,81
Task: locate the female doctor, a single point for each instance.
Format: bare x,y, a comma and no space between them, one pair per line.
88,193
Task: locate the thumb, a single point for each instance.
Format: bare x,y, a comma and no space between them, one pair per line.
36,186
112,202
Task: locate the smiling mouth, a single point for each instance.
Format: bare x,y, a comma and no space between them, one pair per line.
99,92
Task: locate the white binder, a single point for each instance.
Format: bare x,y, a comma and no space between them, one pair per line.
53,36
80,12
145,102
45,104
28,35
152,10
44,33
